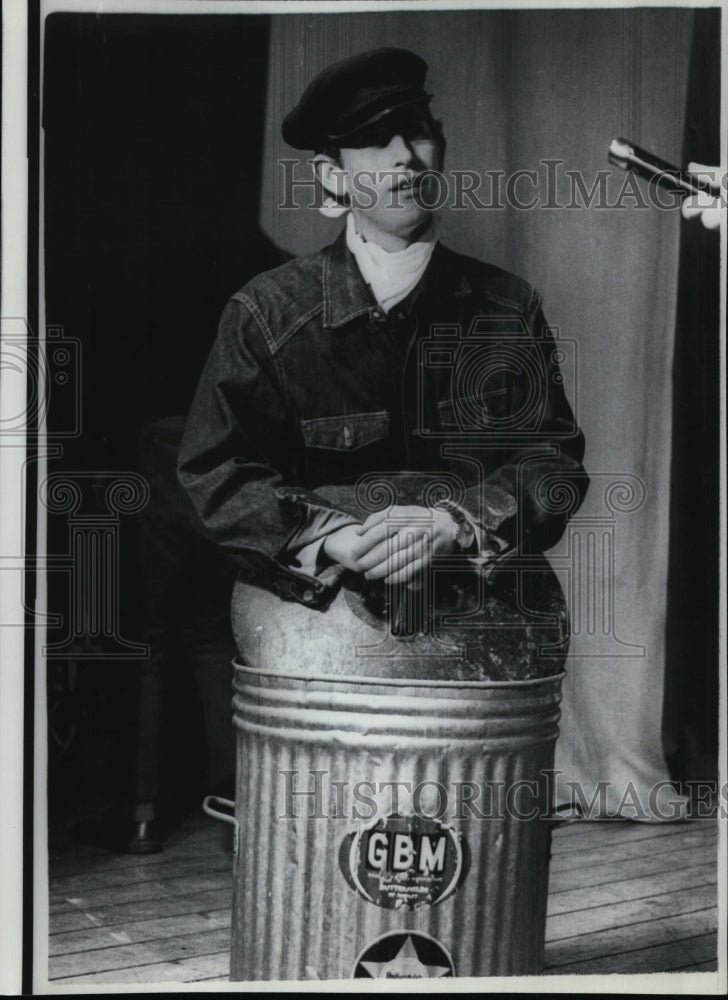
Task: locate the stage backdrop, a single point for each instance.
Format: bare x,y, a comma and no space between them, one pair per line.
515,89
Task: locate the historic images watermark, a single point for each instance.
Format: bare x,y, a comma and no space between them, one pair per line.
51,369
551,186
92,504
315,794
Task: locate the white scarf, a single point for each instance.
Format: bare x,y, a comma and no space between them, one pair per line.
390,275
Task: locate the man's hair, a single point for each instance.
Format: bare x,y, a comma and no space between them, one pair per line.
333,153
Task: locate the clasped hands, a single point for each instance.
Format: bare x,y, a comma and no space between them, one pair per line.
394,545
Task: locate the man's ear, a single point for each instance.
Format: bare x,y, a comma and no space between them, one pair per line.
332,176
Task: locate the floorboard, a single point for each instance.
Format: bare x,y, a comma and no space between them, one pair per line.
199,942
111,915
138,931
615,941
641,887
623,898
606,915
595,875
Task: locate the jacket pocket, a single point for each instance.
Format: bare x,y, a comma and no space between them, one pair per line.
472,412
346,433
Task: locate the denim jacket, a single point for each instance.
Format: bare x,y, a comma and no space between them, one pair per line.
316,408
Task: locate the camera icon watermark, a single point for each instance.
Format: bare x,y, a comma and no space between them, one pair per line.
493,381
51,371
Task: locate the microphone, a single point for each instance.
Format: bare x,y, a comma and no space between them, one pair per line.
627,156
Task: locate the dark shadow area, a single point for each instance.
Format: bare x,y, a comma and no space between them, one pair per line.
153,133
692,690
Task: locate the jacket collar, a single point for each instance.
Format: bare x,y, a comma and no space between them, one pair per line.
347,296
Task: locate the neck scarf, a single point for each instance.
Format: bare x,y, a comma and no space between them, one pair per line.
391,276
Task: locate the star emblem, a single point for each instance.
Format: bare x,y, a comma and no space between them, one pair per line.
405,965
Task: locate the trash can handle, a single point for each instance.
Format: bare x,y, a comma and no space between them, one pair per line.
225,817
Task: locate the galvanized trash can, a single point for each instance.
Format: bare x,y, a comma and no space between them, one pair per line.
392,807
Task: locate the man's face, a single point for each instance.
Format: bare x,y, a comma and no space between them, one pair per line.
388,177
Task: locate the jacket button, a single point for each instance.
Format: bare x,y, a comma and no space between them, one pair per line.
308,596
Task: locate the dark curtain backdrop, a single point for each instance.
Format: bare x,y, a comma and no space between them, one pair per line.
153,129
513,89
692,692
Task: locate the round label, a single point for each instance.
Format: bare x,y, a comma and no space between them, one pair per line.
404,955
404,861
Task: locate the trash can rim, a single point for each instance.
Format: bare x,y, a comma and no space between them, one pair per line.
404,682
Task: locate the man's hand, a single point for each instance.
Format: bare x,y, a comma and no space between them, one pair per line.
397,544
339,546
710,209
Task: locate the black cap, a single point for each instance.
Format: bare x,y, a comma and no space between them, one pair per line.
352,94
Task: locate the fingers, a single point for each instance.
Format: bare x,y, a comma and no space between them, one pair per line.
392,558
394,555
711,217
408,572
374,536
397,543
702,205
376,518
707,173
709,210
386,523
690,207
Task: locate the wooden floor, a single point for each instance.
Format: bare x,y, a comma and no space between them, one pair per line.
624,897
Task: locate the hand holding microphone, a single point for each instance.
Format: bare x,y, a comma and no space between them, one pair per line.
702,187
709,206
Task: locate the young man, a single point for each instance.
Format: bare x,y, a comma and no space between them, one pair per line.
384,365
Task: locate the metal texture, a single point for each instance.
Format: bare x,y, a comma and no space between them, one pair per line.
296,916
515,628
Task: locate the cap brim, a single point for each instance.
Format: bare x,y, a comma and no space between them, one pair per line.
378,116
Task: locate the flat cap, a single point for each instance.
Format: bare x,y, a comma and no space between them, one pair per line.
354,93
